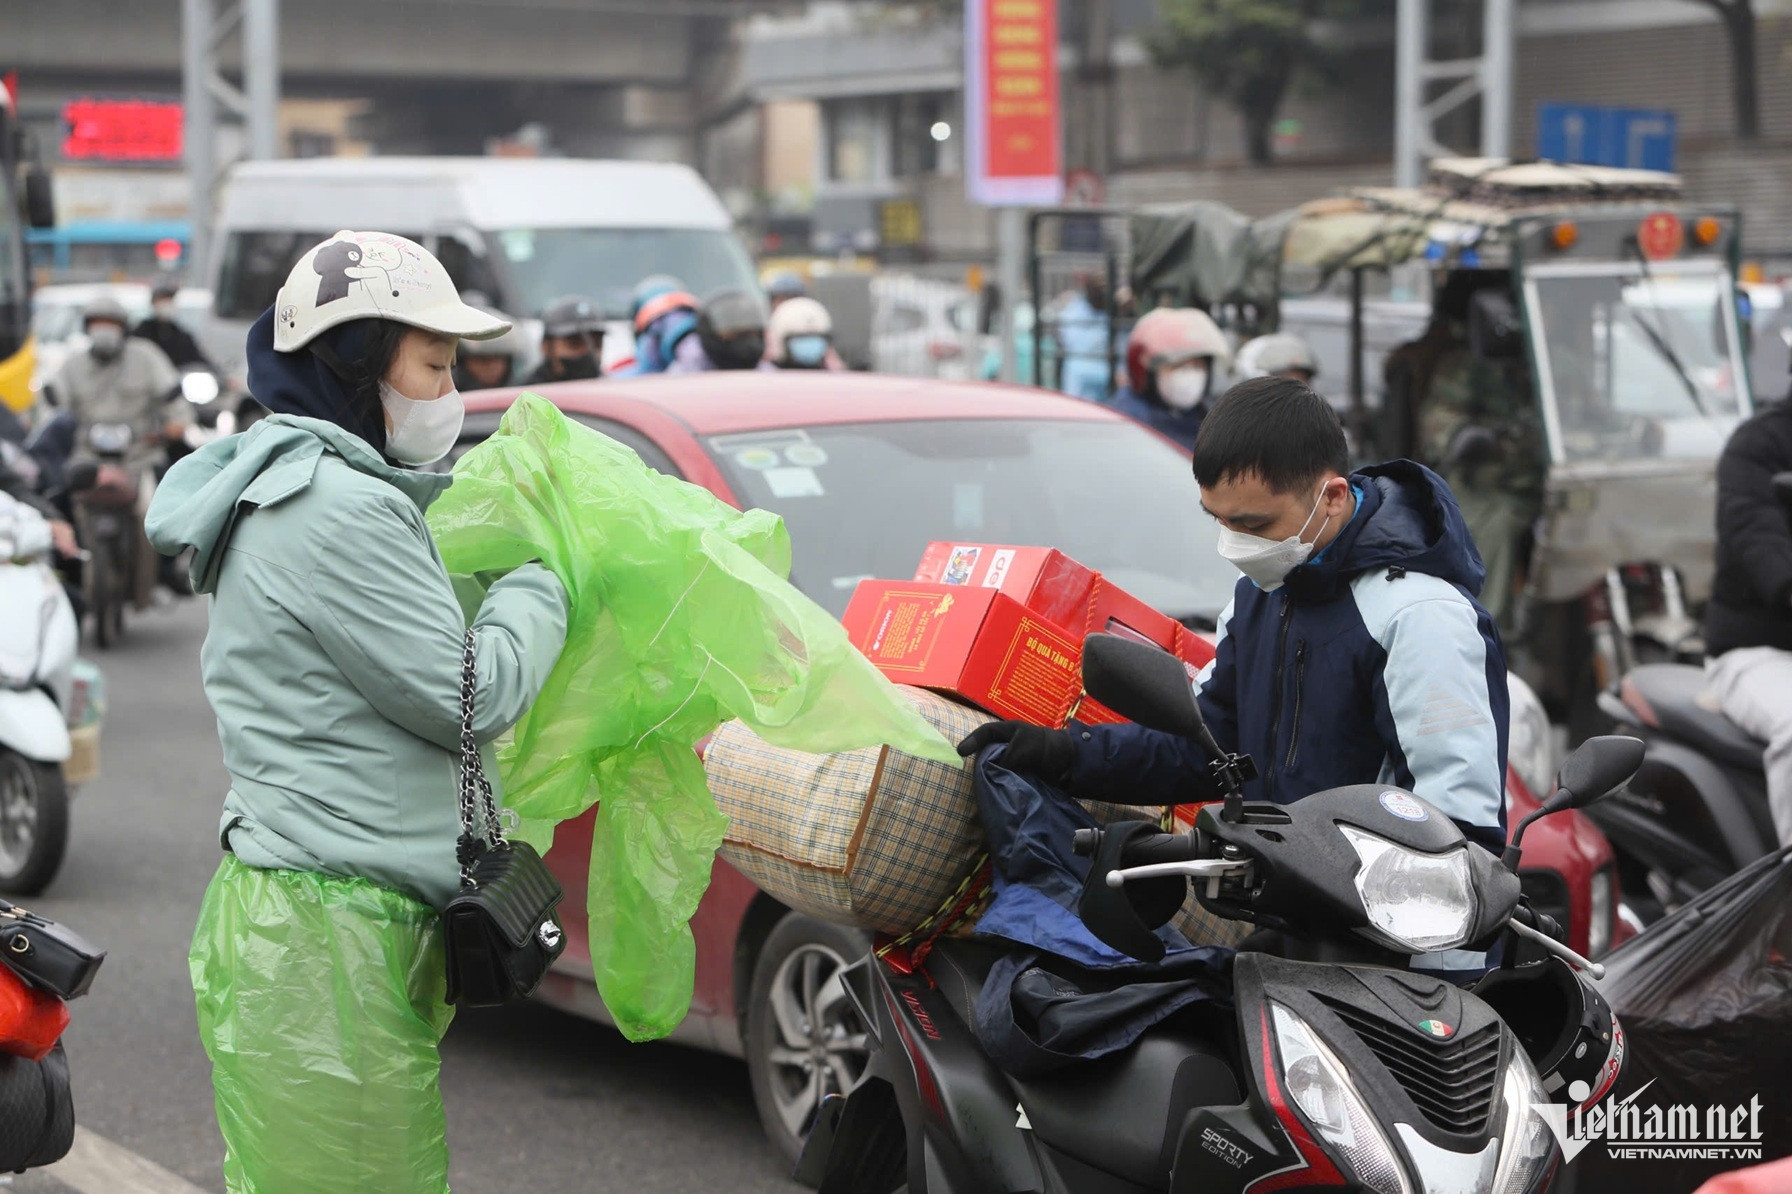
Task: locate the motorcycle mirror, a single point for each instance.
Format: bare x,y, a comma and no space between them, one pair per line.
1143,684
1595,770
199,387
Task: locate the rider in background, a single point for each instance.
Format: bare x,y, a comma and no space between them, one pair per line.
1083,326
800,335
664,313
1279,354
1748,622
572,341
1172,360
730,335
783,285
160,329
122,379
490,363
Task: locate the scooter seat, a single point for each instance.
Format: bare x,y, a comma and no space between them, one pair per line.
1673,697
1121,1114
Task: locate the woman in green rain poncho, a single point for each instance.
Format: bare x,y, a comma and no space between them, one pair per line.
333,663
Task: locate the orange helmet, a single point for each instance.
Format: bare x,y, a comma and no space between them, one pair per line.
1170,336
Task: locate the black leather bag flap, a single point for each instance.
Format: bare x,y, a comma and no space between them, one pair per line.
513,888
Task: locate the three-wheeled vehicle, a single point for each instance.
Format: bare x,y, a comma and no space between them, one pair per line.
1613,340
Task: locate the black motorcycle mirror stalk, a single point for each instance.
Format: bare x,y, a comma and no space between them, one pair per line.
1595,769
1150,686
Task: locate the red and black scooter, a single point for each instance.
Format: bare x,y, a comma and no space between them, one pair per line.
1336,1067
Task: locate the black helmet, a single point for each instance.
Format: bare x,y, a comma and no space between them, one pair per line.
731,327
572,315
1565,1026
165,288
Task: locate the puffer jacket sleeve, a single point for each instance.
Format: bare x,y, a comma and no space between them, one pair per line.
384,611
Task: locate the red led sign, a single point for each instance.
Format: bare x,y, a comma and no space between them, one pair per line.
121,131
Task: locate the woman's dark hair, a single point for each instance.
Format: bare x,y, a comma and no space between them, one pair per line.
1275,427
359,353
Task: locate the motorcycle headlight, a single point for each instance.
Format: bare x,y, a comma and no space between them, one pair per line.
1530,748
1415,902
1525,1145
1319,1086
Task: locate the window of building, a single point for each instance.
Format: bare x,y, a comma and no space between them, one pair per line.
857,141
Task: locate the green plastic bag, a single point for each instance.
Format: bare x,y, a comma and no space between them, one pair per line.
321,1006
682,618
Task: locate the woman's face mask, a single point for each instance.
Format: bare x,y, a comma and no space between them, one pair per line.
1183,387
806,352
1269,561
421,432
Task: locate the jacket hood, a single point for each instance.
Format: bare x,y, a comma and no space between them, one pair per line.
301,383
196,504
1409,519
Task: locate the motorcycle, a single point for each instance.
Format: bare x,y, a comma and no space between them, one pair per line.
1337,1065
1697,810
38,636
106,500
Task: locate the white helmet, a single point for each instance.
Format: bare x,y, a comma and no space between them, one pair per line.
801,316
373,275
1280,352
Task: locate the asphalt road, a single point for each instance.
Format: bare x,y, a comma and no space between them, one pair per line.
537,1101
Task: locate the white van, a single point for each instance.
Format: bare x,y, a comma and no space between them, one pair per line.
522,232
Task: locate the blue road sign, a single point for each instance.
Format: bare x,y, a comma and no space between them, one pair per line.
1635,138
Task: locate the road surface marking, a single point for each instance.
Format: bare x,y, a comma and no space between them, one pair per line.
97,1166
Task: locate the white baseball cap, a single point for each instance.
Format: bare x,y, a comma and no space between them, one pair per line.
373,275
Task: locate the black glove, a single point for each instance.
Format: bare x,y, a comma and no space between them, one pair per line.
1032,750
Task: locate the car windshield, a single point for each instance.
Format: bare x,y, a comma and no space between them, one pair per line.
1641,364
865,500
605,263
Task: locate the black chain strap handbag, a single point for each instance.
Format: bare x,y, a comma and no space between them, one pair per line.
503,930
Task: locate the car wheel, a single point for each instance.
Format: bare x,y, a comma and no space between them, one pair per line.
805,1040
33,823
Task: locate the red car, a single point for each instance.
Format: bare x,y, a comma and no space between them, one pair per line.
900,462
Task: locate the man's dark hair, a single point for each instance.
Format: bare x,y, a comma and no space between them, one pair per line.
1275,427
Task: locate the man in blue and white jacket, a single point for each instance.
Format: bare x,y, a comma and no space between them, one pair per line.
1353,652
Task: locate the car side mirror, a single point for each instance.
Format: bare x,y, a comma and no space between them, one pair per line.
1595,769
1143,684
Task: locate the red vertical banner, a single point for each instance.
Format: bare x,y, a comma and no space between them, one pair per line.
1012,111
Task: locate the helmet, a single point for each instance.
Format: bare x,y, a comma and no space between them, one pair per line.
505,344
731,327
1565,1026
1273,354
658,304
651,287
107,308
785,284
571,315
1171,336
801,319
373,275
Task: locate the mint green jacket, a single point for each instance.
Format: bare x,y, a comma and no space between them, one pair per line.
333,660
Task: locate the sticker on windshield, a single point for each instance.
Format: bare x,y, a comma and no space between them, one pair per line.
806,455
757,459
999,564
960,565
1407,808
794,482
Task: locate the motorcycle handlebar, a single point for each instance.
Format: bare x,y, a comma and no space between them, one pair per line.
1141,851
1543,922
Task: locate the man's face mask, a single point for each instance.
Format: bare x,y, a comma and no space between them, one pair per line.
1183,387
105,339
1269,561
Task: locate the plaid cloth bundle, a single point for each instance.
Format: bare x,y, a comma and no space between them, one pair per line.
873,838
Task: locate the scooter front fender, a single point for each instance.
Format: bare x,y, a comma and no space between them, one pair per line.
32,725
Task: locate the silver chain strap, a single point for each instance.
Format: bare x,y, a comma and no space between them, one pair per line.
475,790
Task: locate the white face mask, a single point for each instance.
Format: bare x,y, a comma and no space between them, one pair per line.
421,432
1184,387
1269,561
106,339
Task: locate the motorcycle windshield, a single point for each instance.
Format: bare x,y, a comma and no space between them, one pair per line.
1637,362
